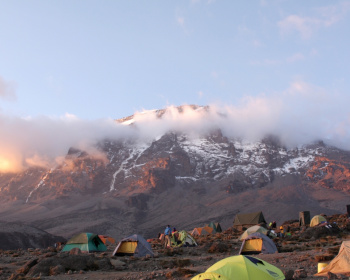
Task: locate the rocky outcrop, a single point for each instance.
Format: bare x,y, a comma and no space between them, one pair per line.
19,236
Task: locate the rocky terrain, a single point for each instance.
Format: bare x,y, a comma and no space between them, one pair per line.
298,257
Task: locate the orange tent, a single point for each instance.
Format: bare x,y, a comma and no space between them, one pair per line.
209,229
107,239
201,231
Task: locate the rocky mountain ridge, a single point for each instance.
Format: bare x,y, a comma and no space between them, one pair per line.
177,178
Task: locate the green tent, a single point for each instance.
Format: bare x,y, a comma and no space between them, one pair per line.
86,242
184,239
248,219
215,226
242,268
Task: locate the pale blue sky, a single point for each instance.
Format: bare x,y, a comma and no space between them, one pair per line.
68,68
108,59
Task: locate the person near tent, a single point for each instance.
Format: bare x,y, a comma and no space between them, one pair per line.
167,233
175,234
270,225
274,224
281,231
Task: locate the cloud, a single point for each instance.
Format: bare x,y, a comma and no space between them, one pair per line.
214,74
7,90
296,57
300,114
334,13
181,21
41,141
306,26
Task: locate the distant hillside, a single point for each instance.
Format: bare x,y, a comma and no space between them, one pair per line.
18,236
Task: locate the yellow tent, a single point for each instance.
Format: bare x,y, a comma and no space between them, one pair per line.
242,268
341,263
316,220
253,229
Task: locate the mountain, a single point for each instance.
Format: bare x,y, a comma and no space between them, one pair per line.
135,185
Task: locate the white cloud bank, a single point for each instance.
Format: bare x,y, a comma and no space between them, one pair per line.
301,114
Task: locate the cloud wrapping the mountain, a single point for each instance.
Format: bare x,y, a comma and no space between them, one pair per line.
301,114
41,141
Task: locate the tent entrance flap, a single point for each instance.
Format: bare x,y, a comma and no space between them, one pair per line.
127,247
253,245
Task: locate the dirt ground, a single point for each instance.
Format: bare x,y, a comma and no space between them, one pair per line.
298,258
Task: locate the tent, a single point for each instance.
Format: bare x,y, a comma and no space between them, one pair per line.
242,268
107,239
316,220
133,245
86,242
215,226
184,239
200,231
253,229
257,243
341,263
304,218
248,219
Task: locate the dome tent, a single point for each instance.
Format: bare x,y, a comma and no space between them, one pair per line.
133,245
184,239
107,239
242,268
316,220
253,229
200,231
341,263
257,243
86,242
215,226
244,220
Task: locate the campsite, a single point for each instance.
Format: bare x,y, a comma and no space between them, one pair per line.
299,255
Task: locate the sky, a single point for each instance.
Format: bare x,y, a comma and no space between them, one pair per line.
75,65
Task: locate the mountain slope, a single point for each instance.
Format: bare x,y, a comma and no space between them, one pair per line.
179,178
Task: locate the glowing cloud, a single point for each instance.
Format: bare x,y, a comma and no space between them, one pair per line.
299,115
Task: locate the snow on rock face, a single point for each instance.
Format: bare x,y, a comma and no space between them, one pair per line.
175,159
